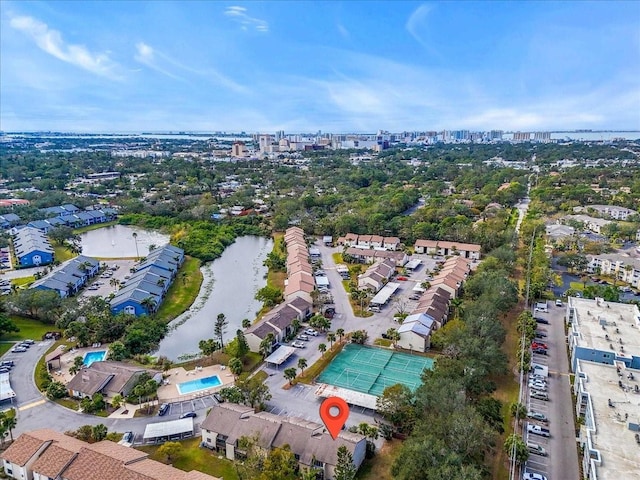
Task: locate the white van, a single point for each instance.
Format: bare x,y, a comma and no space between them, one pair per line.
537,449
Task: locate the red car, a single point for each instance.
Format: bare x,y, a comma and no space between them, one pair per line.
537,345
402,279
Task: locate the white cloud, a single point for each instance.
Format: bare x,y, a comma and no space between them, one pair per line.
240,15
416,23
147,56
51,41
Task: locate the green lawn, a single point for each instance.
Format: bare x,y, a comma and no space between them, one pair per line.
578,286
96,226
29,328
194,457
184,290
62,254
22,281
5,347
250,361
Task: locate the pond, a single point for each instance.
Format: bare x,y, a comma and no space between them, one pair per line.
119,241
229,287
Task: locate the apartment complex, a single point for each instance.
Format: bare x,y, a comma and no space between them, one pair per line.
604,343
310,443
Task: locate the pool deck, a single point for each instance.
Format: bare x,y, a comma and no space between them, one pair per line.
66,361
168,392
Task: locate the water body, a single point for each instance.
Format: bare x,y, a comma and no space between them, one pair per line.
118,241
229,287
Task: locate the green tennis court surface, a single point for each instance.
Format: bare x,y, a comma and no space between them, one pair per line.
371,370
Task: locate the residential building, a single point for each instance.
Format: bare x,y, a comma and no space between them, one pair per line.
590,223
558,231
8,220
279,321
72,276
309,441
620,265
46,455
440,247
32,248
604,345
109,378
367,255
612,211
377,275
415,332
603,332
144,292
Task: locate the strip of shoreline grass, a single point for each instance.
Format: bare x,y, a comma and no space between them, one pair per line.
95,226
62,253
275,278
184,290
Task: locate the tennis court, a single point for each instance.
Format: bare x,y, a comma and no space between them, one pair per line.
371,370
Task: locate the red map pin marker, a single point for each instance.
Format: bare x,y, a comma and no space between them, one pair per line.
334,423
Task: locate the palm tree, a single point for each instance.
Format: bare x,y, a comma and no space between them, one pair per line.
246,323
323,348
340,333
290,374
235,366
135,239
265,345
139,391
302,364
148,304
116,401
456,305
332,338
393,335
9,422
78,363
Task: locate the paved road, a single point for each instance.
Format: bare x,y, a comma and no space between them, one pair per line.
562,462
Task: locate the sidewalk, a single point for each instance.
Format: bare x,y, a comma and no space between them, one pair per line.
126,411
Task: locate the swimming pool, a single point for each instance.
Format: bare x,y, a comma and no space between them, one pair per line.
199,384
91,357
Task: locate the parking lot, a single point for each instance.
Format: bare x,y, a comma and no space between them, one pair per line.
561,459
104,284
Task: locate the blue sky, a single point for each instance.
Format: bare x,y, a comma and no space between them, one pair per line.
305,66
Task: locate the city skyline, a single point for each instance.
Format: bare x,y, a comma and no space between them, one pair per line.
330,66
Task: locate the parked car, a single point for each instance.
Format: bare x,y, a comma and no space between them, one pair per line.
189,415
538,430
539,345
218,397
5,369
540,351
540,417
29,341
25,345
541,320
533,476
164,408
538,386
298,344
18,349
537,394
558,303
303,337
8,363
541,334
311,331
537,449
128,437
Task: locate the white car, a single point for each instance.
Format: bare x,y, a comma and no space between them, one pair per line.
298,344
311,331
533,476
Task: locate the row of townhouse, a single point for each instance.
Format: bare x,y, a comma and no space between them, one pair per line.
70,278
32,248
621,266
279,322
444,248
75,220
368,255
300,281
432,310
143,293
604,348
9,220
377,275
298,304
49,455
369,241
310,443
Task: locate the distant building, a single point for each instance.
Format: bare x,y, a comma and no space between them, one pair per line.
441,247
239,150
